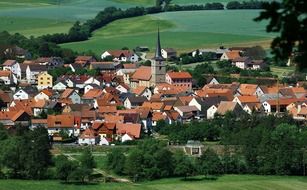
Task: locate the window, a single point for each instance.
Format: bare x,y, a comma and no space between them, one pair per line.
41,82
160,68
48,78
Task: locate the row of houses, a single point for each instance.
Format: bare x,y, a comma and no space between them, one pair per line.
101,114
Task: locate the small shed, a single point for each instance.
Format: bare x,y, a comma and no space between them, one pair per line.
194,148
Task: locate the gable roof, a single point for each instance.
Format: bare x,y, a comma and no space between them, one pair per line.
139,90
118,53
130,129
248,99
179,75
233,54
9,62
142,73
67,92
226,106
93,93
60,121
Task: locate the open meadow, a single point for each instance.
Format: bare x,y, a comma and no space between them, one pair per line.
228,182
181,30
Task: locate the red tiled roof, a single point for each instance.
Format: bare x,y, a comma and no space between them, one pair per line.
248,99
142,73
9,62
5,73
130,129
93,93
283,101
139,90
233,54
61,121
179,75
118,53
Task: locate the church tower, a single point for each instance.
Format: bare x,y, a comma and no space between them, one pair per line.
158,69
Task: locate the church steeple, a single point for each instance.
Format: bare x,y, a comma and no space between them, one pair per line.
158,54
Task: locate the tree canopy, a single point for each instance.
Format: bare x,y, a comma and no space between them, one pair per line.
288,18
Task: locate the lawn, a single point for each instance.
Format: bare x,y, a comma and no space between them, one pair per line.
229,182
182,30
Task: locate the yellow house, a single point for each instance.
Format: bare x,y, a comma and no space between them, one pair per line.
44,81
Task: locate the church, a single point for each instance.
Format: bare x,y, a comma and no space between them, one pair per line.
153,75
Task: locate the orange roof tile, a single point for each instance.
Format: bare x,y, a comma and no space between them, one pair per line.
142,73
113,118
60,121
248,99
93,93
5,73
156,116
283,101
139,90
67,92
179,75
153,105
233,54
130,129
88,133
248,89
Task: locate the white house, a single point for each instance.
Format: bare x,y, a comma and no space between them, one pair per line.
88,136
211,112
42,96
8,78
104,141
142,91
89,87
121,55
60,86
122,88
126,137
168,53
126,74
241,62
13,66
21,95
92,80
33,71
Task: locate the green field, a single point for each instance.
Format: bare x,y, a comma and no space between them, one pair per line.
38,17
229,182
181,30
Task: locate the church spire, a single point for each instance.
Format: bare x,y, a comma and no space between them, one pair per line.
158,54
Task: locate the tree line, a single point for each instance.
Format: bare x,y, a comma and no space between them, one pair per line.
25,154
267,145
264,145
245,5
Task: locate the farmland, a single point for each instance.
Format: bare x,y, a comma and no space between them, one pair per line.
37,17
230,182
194,29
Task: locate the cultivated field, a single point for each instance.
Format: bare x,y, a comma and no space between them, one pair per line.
37,17
229,182
182,30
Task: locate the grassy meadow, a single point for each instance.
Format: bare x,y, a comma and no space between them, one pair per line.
228,182
181,30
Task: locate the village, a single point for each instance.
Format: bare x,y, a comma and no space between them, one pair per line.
127,99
